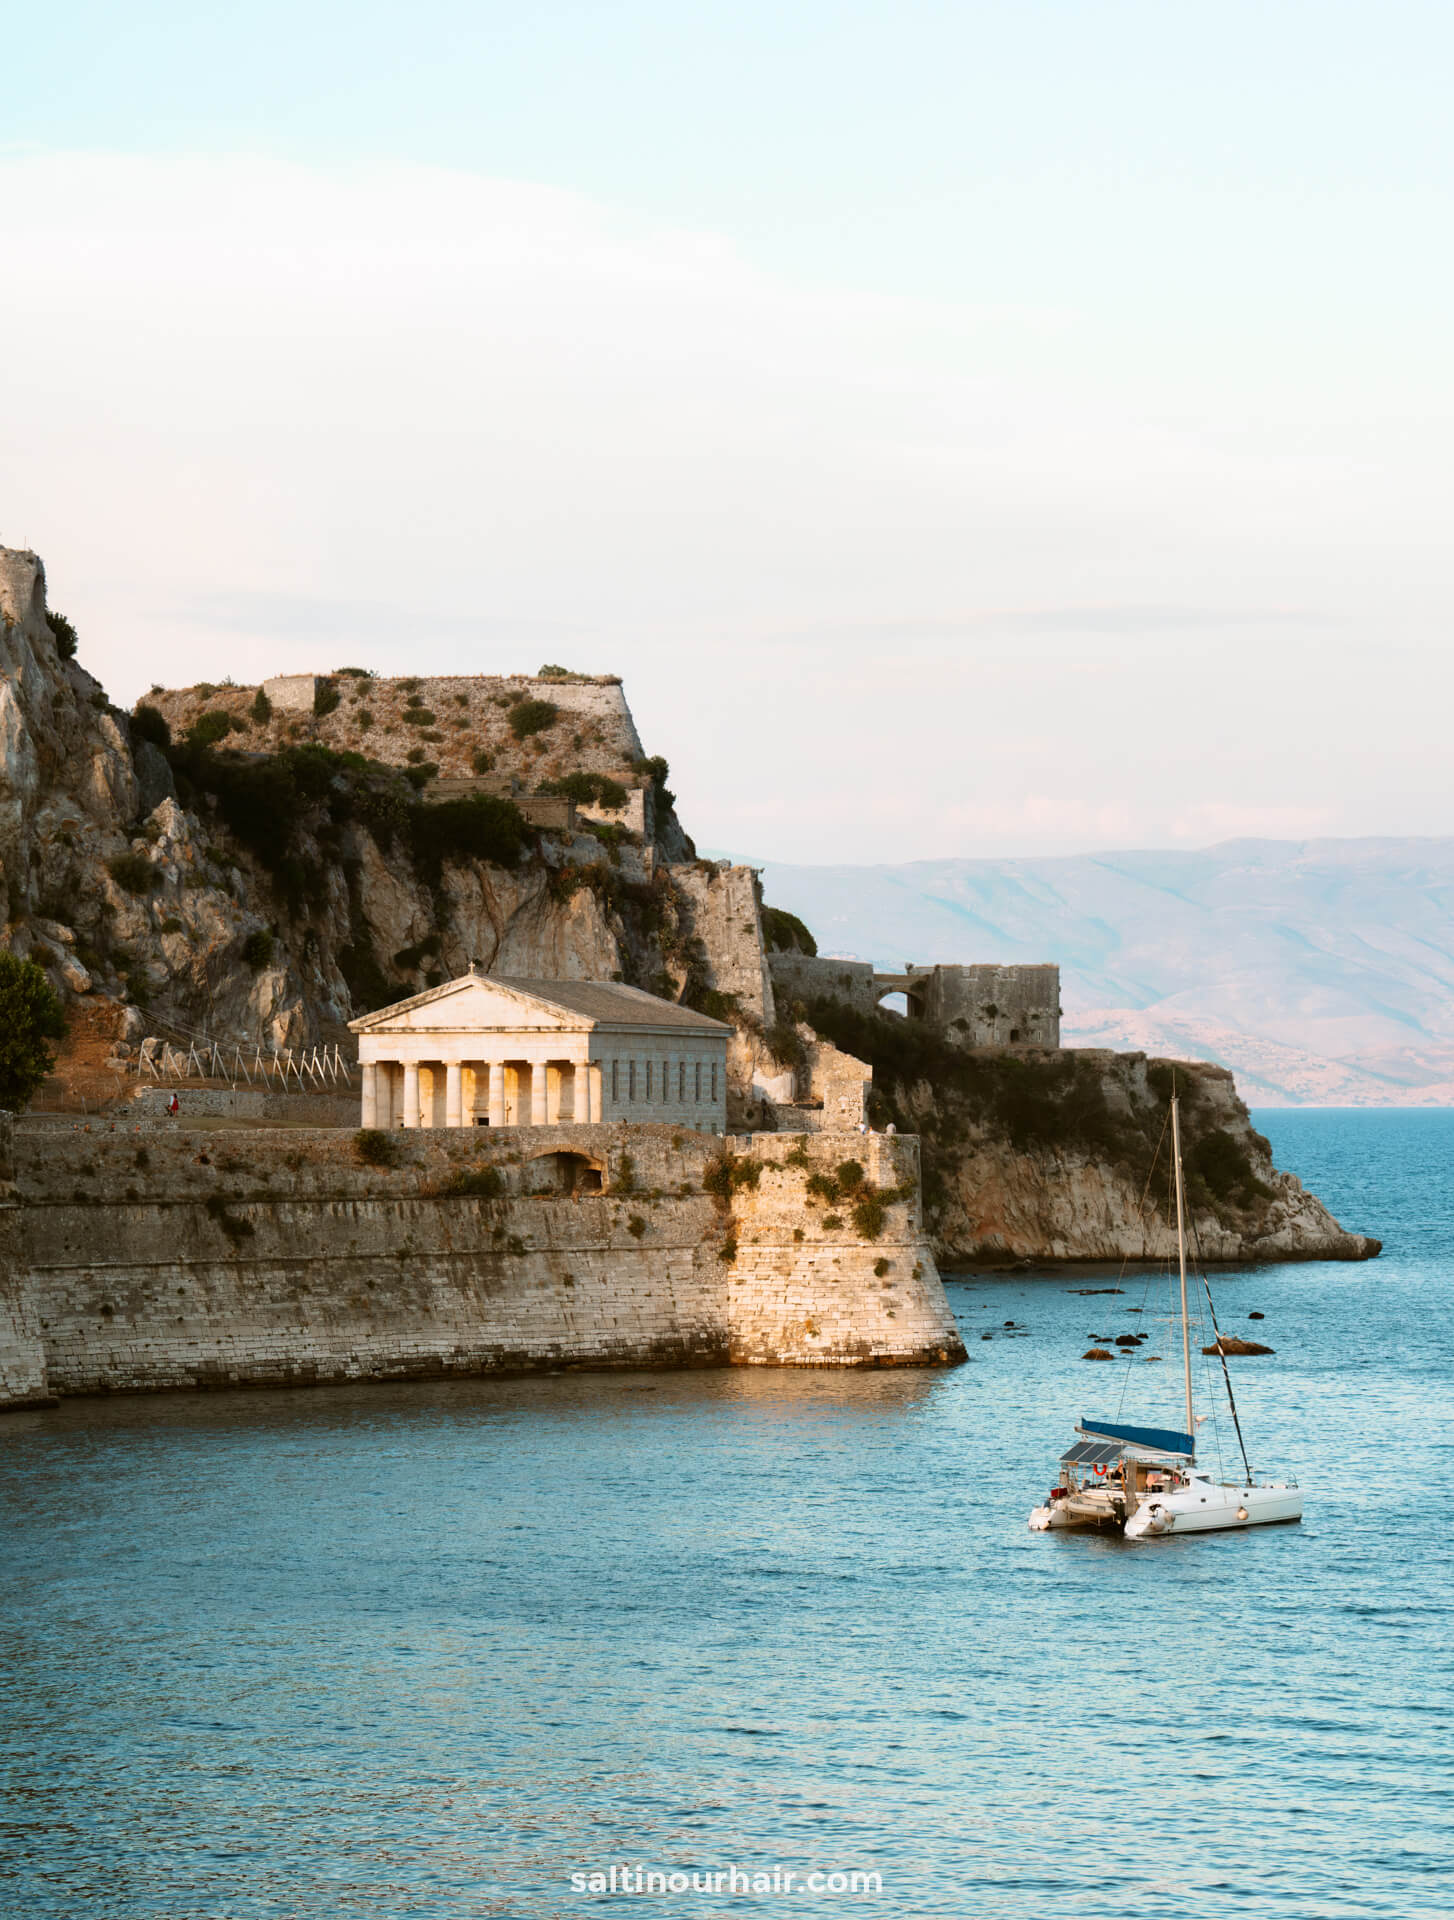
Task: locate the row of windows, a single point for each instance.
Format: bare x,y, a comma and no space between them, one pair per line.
651,1080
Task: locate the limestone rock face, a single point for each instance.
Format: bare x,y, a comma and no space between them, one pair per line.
991,1203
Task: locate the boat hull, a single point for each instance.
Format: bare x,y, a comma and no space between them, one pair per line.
1201,1507
1207,1508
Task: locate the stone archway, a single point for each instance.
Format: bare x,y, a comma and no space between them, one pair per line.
562,1170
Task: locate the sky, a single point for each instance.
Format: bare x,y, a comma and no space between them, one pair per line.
969,429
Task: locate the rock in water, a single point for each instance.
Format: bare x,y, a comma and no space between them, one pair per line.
1098,1353
1229,1343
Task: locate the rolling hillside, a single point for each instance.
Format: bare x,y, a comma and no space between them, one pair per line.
1322,971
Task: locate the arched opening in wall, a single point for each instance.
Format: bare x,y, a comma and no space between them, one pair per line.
564,1173
895,1003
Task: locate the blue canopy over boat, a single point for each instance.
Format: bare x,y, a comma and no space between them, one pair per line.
1159,1439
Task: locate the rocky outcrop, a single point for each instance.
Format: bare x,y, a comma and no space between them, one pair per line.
994,1201
1065,1155
132,875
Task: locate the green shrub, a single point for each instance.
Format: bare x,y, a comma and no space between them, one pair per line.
588,789
478,1183
727,1252
869,1214
784,932
483,762
377,1148
415,756
31,1017
261,708
1224,1166
134,872
625,1180
479,826
557,673
210,727
149,723
786,1044
363,720
257,949
881,1267
64,635
326,698
636,1226
832,1221
354,673
418,717
532,716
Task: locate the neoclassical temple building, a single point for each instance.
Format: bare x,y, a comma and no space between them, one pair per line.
483,1050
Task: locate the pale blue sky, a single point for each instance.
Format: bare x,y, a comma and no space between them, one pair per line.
971,429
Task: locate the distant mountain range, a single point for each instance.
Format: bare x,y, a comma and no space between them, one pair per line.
1322,971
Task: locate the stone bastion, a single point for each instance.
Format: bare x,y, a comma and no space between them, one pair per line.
135,1262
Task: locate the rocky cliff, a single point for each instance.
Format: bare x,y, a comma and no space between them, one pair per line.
245,870
1047,1156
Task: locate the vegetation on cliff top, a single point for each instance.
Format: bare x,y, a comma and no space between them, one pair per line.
784,932
1038,1102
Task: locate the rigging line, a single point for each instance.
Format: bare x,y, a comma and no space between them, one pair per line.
1217,1339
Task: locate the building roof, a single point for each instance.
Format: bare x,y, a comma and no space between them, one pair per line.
596,1003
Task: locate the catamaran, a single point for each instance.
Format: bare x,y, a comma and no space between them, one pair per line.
1144,1482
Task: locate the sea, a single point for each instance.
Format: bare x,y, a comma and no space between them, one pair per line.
454,1650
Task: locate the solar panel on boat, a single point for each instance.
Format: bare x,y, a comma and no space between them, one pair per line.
1090,1453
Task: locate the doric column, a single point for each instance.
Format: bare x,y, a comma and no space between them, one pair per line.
369,1108
411,1093
554,1087
538,1107
453,1089
496,1071
583,1091
598,1091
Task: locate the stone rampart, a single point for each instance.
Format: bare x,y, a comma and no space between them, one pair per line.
810,976
976,1006
265,1258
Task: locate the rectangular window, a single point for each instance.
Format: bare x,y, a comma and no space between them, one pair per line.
682,1081
631,1079
714,1080
615,1082
699,1082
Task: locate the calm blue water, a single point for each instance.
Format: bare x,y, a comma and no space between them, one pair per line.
427,1651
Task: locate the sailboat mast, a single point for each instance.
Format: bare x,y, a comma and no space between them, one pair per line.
1181,1260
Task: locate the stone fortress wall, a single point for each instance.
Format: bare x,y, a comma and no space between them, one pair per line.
977,1006
206,1259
